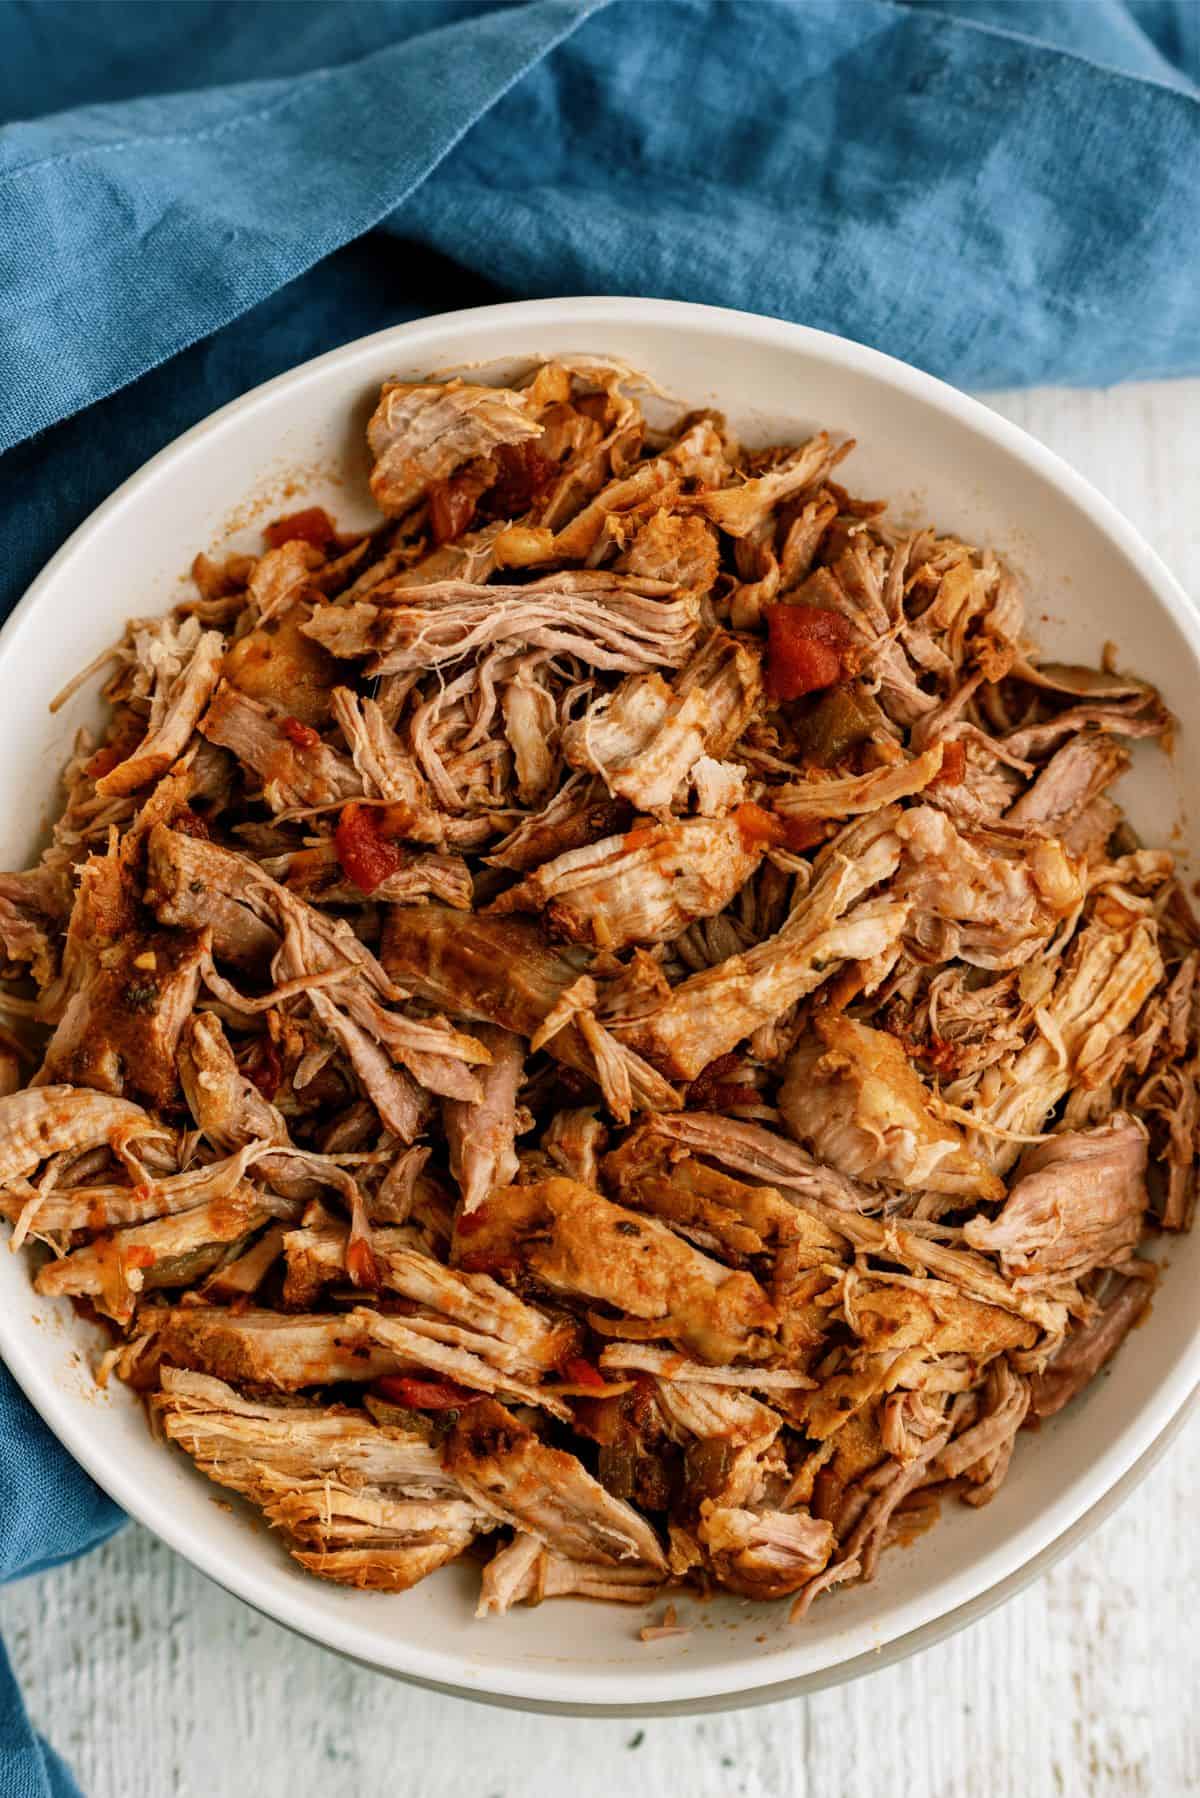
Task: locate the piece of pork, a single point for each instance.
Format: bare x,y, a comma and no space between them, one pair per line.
1076,774
39,1122
570,1240
1110,971
278,667
646,738
577,814
853,794
680,550
168,1251
852,1095
531,726
252,1444
386,768
709,1014
644,887
270,1348
740,510
990,901
1078,1202
482,1136
544,1491
574,1141
175,710
292,774
444,1350
195,885
835,1202
95,1206
391,1089
361,1503
35,905
501,970
424,431
120,1029
608,620
1089,1346
763,1554
526,1572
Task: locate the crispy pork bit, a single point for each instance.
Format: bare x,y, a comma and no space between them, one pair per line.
572,1241
120,1031
637,939
544,1492
851,1094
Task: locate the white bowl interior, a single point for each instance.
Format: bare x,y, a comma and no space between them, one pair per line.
938,457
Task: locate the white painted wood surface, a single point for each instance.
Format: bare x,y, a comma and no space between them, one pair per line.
155,1684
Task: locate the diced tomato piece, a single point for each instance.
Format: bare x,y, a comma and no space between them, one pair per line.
451,508
361,1264
313,525
581,1373
425,1395
954,765
805,645
366,856
758,826
302,735
800,834
525,477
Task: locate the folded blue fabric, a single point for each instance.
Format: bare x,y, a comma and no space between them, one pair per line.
193,198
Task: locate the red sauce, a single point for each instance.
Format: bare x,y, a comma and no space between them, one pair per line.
302,735
757,826
954,765
267,1069
361,1264
803,833
524,479
581,1373
805,646
451,508
313,525
367,856
425,1395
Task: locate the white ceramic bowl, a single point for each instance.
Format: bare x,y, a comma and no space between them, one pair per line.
938,456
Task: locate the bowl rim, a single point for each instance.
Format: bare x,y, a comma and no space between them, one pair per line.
597,1691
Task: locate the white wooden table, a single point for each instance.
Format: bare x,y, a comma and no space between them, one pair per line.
155,1684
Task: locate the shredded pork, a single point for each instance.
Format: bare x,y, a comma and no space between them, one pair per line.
613,1022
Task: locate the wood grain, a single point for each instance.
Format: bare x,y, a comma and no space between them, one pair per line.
155,1684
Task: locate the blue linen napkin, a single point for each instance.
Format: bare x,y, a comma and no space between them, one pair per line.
194,197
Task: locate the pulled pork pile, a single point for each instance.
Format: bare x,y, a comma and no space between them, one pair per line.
611,1022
